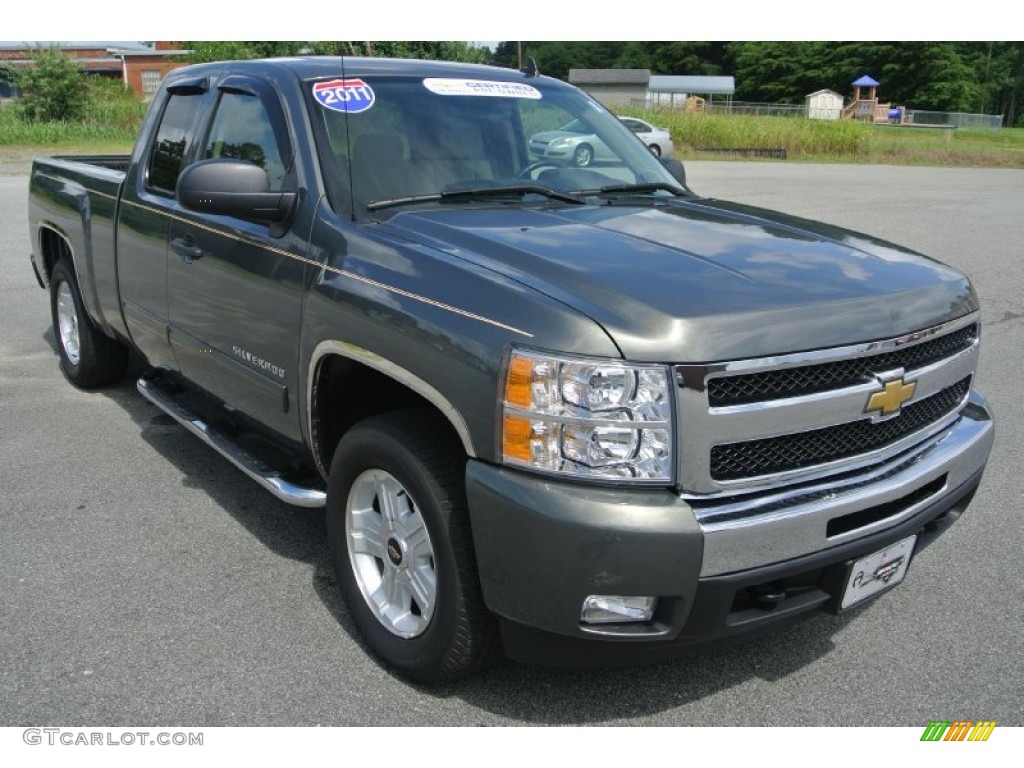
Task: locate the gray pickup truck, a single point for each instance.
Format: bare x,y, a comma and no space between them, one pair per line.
576,412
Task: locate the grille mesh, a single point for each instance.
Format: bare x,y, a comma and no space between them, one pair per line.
808,379
736,461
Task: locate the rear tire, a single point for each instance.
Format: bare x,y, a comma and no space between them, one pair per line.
655,149
402,549
88,358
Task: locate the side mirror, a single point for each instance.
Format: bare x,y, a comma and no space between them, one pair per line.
232,188
675,167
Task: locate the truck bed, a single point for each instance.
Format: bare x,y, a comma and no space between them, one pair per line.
75,198
111,162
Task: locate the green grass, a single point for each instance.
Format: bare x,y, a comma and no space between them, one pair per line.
797,136
112,118
842,141
963,147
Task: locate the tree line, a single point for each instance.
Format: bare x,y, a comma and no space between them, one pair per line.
442,50
982,77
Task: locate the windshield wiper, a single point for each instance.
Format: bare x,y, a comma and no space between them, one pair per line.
470,192
656,186
512,189
376,205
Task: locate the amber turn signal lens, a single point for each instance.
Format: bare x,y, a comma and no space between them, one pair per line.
516,438
520,376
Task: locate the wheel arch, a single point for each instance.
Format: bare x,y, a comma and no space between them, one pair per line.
337,366
54,244
579,149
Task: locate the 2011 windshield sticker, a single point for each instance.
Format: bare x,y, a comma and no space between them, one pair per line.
350,96
444,86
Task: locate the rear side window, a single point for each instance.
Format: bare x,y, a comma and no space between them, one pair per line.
242,130
171,142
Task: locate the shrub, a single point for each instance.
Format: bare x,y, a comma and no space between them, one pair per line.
52,88
111,105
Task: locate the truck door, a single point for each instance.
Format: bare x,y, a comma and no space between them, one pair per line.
235,287
144,216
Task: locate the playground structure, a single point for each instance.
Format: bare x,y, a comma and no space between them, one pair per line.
866,106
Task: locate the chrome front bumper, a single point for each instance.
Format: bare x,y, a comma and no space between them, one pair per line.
750,532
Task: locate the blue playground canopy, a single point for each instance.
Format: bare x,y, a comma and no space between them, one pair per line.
866,80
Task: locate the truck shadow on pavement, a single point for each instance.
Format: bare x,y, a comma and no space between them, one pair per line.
570,696
508,690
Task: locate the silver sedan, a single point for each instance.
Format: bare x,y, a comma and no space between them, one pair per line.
658,140
574,143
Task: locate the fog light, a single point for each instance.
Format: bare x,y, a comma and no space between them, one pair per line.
615,609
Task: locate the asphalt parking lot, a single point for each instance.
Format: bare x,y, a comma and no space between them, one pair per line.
144,580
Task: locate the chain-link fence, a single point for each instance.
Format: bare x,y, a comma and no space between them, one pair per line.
758,108
912,117
955,119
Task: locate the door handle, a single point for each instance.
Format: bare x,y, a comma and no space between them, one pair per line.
186,248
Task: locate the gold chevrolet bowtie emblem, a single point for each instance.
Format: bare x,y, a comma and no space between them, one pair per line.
892,397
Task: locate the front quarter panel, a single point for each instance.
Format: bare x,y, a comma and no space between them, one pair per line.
441,319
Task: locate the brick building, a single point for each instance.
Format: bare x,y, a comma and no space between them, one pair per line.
144,69
139,66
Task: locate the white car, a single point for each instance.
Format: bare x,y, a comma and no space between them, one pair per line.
658,140
573,143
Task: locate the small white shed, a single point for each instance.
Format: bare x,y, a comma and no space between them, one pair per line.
824,105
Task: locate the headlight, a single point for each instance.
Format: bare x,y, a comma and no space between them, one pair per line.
562,141
587,418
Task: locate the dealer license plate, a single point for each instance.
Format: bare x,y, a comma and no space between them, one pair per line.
885,568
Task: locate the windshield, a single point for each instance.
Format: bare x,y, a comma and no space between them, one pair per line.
576,126
389,141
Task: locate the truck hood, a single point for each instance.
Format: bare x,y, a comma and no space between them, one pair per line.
703,280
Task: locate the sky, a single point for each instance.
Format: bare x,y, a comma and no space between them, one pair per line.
474,20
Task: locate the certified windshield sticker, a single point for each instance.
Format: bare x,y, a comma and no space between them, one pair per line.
350,96
444,86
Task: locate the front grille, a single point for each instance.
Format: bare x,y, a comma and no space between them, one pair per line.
809,379
735,461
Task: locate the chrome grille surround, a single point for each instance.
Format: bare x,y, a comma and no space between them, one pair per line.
704,428
821,446
821,377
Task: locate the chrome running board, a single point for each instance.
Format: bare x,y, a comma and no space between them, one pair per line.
270,479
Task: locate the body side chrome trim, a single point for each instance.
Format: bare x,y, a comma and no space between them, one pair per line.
334,270
392,370
90,190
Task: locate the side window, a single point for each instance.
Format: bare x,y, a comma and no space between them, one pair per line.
171,142
242,129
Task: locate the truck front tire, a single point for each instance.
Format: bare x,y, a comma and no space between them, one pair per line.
402,549
88,358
